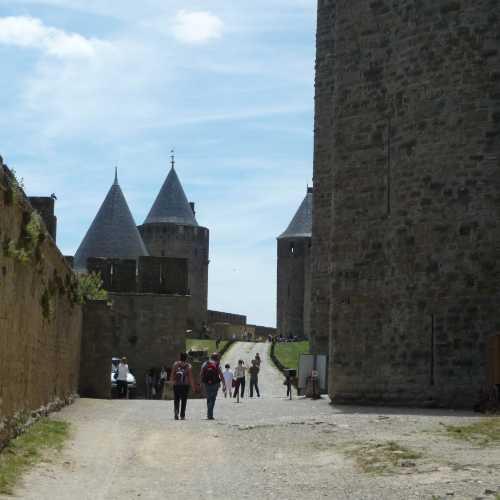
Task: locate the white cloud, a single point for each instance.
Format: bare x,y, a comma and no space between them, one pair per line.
29,32
196,27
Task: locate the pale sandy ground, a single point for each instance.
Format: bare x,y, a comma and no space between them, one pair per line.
259,449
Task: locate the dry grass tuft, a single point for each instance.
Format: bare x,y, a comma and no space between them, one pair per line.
486,432
383,458
28,449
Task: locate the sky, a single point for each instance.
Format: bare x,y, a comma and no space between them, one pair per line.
90,84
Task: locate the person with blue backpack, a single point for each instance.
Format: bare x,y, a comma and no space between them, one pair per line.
212,377
182,378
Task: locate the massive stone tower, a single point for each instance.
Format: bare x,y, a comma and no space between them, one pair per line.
407,198
171,230
112,234
294,273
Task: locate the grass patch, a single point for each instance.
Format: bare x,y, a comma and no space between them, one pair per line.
208,344
484,433
382,458
288,353
28,449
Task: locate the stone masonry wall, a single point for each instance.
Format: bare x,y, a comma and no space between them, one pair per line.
322,193
413,154
162,275
184,242
225,317
40,324
98,347
149,329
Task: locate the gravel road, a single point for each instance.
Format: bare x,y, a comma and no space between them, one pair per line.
260,449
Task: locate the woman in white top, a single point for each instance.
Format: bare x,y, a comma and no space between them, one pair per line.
228,379
239,375
121,379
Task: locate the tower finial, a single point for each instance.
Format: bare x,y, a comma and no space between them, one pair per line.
116,175
172,157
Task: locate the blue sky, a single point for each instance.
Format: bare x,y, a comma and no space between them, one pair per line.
90,84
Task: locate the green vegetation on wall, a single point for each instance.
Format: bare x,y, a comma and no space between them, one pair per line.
14,186
89,287
28,245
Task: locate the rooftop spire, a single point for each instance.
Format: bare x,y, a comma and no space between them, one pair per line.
113,233
301,224
171,204
116,175
172,157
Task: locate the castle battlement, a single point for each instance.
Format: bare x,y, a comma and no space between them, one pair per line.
158,275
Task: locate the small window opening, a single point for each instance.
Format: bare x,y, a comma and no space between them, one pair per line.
292,248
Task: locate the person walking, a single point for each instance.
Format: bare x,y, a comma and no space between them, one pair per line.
239,375
149,383
228,380
121,379
288,382
212,377
182,378
254,378
258,361
163,381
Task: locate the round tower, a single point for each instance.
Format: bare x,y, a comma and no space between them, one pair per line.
294,273
171,230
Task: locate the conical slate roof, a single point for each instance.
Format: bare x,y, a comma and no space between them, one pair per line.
171,204
112,234
301,225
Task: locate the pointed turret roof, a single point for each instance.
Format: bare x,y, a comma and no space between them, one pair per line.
171,204
301,224
113,233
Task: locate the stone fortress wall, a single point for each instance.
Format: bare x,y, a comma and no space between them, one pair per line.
40,321
189,242
407,173
149,329
145,318
322,180
157,275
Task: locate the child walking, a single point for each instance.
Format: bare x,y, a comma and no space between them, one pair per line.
228,379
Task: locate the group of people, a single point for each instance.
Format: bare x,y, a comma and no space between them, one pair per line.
212,378
155,382
237,379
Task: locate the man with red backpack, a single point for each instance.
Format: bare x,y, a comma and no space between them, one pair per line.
212,377
182,378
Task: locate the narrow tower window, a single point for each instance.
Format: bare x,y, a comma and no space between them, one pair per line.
292,248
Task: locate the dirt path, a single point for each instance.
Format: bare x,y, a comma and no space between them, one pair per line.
259,449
